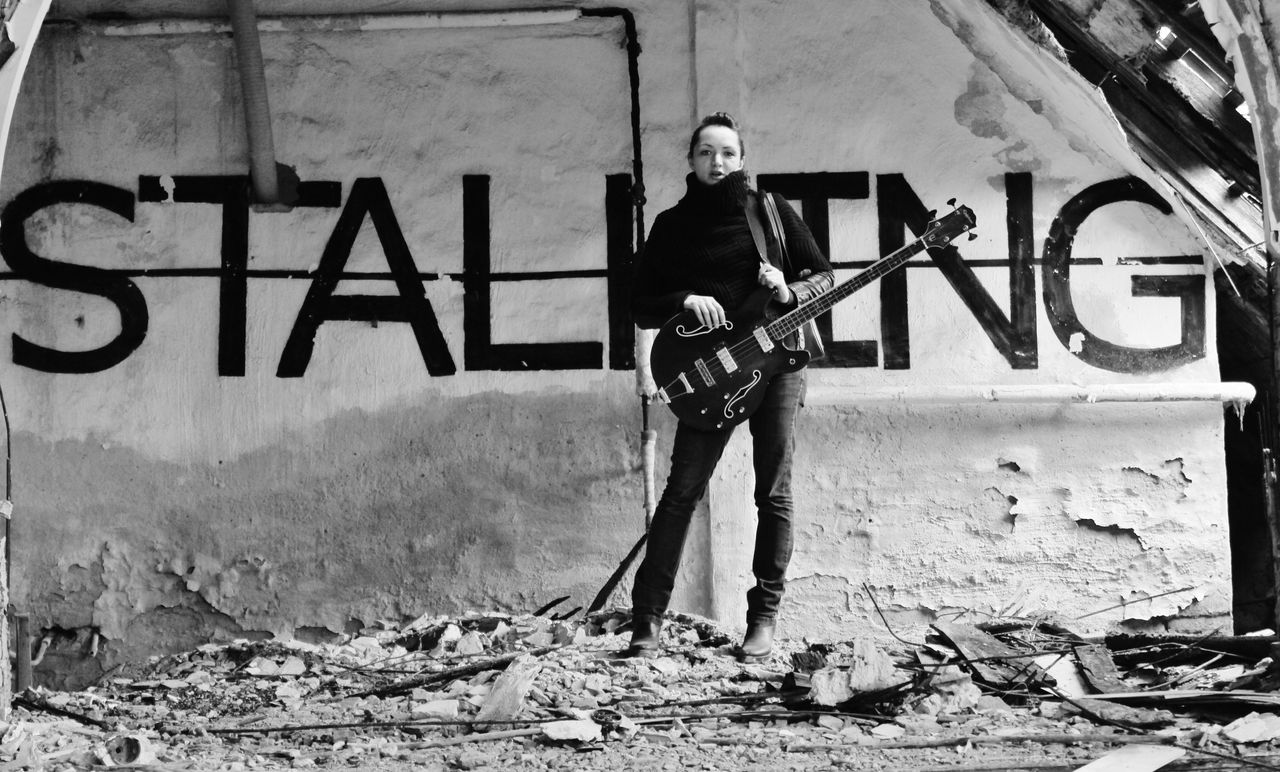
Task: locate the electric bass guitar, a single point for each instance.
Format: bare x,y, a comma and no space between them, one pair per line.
713,378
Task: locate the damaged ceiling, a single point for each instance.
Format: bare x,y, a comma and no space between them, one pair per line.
1173,90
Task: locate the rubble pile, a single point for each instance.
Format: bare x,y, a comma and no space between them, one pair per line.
536,692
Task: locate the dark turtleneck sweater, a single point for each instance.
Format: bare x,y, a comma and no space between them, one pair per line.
703,246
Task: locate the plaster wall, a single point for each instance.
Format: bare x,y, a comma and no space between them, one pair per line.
332,464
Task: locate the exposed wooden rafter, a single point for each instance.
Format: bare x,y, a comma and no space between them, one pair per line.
1172,93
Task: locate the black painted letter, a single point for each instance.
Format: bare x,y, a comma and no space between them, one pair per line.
368,197
1014,336
105,283
1061,309
479,352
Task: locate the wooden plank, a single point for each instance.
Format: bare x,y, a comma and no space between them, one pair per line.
985,653
1134,758
1099,669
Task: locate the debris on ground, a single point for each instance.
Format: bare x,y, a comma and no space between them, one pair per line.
506,691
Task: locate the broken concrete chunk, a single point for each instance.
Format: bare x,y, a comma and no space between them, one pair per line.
834,723
446,709
540,638
507,696
888,731
267,666
581,730
1253,728
471,643
868,670
829,686
951,690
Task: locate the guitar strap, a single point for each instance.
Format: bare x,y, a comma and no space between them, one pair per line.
775,223
757,230
807,335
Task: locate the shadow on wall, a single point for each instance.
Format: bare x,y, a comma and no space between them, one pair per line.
491,502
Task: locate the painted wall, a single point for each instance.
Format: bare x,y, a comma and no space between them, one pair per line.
414,391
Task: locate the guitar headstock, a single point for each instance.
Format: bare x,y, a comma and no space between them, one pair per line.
941,231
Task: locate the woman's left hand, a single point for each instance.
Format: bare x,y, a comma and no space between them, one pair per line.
772,278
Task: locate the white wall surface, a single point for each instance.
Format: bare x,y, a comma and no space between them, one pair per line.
159,500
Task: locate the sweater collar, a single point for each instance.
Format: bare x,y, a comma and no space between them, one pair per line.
724,197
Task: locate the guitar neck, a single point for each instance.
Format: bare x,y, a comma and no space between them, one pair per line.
795,318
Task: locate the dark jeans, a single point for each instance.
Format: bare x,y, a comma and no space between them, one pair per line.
693,459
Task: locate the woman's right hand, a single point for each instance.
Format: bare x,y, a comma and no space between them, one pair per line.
706,308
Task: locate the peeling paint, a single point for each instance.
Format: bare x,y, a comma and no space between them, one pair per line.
1041,502
981,108
1138,606
1112,529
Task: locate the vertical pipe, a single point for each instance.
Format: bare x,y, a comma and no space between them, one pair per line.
22,641
1271,409
257,110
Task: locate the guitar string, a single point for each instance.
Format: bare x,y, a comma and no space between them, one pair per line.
787,323
782,326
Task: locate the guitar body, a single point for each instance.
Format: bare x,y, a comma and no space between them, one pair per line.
716,378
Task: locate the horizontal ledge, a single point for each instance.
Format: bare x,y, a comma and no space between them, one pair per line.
1234,392
372,22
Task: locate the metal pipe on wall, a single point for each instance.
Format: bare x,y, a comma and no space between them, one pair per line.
1229,392
340,22
257,109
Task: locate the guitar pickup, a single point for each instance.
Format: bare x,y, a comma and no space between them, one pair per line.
705,372
726,359
762,337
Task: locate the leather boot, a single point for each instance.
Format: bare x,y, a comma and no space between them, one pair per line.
644,637
758,642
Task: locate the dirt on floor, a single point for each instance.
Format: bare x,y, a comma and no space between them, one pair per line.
497,691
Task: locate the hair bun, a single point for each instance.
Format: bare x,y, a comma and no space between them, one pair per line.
720,118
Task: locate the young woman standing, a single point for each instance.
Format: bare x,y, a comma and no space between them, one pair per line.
700,257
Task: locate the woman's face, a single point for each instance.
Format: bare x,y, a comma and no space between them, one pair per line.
717,154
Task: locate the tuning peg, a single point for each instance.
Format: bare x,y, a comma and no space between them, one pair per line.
932,214
972,235
951,202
